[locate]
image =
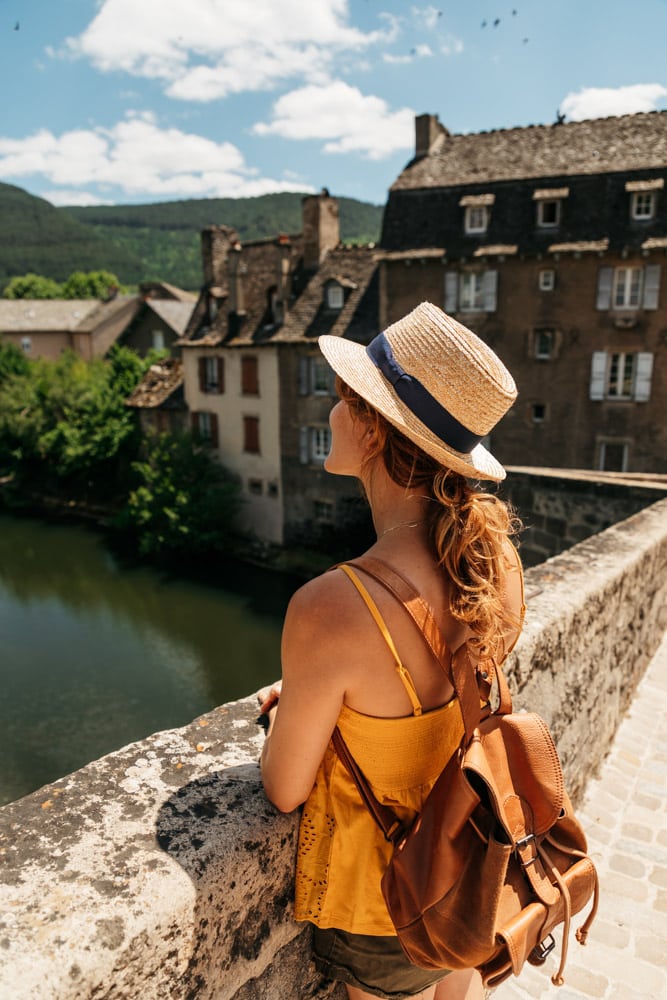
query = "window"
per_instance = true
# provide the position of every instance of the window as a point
(628, 287)
(256, 487)
(613, 456)
(158, 340)
(548, 213)
(211, 374)
(547, 280)
(205, 426)
(335, 296)
(26, 344)
(272, 489)
(476, 218)
(642, 205)
(324, 511)
(539, 413)
(315, 444)
(471, 291)
(249, 376)
(621, 375)
(544, 343)
(316, 377)
(251, 435)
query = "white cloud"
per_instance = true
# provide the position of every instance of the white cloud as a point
(429, 16)
(452, 46)
(138, 158)
(206, 49)
(65, 197)
(603, 102)
(349, 120)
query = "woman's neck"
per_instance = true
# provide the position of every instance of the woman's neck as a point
(397, 511)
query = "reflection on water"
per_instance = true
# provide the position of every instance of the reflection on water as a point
(94, 656)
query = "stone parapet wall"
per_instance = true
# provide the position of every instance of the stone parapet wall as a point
(161, 871)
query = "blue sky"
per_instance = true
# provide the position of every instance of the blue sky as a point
(128, 101)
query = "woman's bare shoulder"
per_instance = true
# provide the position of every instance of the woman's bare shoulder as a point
(326, 606)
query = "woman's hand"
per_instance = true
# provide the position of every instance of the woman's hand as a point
(268, 696)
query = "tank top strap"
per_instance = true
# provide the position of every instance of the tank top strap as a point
(379, 621)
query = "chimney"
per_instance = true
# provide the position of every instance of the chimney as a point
(321, 228)
(236, 270)
(215, 244)
(427, 130)
(283, 278)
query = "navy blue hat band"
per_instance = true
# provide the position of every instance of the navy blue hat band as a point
(419, 400)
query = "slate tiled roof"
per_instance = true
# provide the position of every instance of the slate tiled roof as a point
(602, 145)
(104, 312)
(161, 381)
(44, 315)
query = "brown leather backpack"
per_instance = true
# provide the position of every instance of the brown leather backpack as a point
(496, 860)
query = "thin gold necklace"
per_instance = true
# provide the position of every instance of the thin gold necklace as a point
(401, 524)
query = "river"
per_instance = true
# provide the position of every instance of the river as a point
(95, 655)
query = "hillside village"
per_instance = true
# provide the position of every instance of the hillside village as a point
(547, 241)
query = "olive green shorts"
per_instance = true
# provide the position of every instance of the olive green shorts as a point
(377, 965)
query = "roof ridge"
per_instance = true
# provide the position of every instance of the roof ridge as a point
(549, 125)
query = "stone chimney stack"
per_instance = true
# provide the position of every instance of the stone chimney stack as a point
(427, 130)
(215, 244)
(321, 228)
(236, 270)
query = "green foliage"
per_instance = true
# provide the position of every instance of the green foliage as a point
(32, 286)
(184, 501)
(12, 361)
(90, 285)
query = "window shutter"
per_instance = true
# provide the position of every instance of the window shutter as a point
(213, 417)
(651, 286)
(304, 371)
(194, 422)
(598, 374)
(490, 290)
(643, 373)
(605, 281)
(201, 367)
(303, 445)
(221, 374)
(451, 292)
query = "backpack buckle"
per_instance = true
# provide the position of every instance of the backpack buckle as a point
(519, 846)
(540, 952)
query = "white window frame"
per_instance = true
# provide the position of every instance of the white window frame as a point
(471, 291)
(642, 205)
(320, 444)
(603, 450)
(204, 425)
(541, 206)
(335, 296)
(26, 345)
(158, 339)
(539, 352)
(621, 373)
(547, 280)
(476, 219)
(211, 369)
(320, 377)
(627, 288)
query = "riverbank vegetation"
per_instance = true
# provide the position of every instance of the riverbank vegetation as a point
(67, 437)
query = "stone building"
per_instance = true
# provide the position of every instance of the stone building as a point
(549, 242)
(257, 387)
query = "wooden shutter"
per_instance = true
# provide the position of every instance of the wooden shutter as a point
(598, 374)
(490, 290)
(221, 374)
(304, 371)
(303, 445)
(194, 422)
(249, 377)
(605, 281)
(251, 435)
(643, 372)
(451, 291)
(651, 286)
(201, 368)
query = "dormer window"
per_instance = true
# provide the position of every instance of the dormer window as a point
(549, 206)
(644, 198)
(335, 297)
(477, 212)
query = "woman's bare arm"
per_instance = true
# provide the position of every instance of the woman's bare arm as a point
(316, 632)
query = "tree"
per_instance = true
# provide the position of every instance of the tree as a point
(184, 502)
(32, 286)
(12, 361)
(91, 285)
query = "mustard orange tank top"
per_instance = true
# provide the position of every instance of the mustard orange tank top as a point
(342, 853)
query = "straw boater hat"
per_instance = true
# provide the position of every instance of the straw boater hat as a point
(434, 380)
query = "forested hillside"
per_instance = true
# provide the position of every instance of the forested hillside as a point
(147, 242)
(165, 236)
(45, 240)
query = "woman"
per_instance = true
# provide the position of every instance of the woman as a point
(413, 409)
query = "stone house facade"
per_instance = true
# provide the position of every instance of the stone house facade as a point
(549, 242)
(255, 383)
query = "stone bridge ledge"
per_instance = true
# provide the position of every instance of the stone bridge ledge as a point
(161, 871)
